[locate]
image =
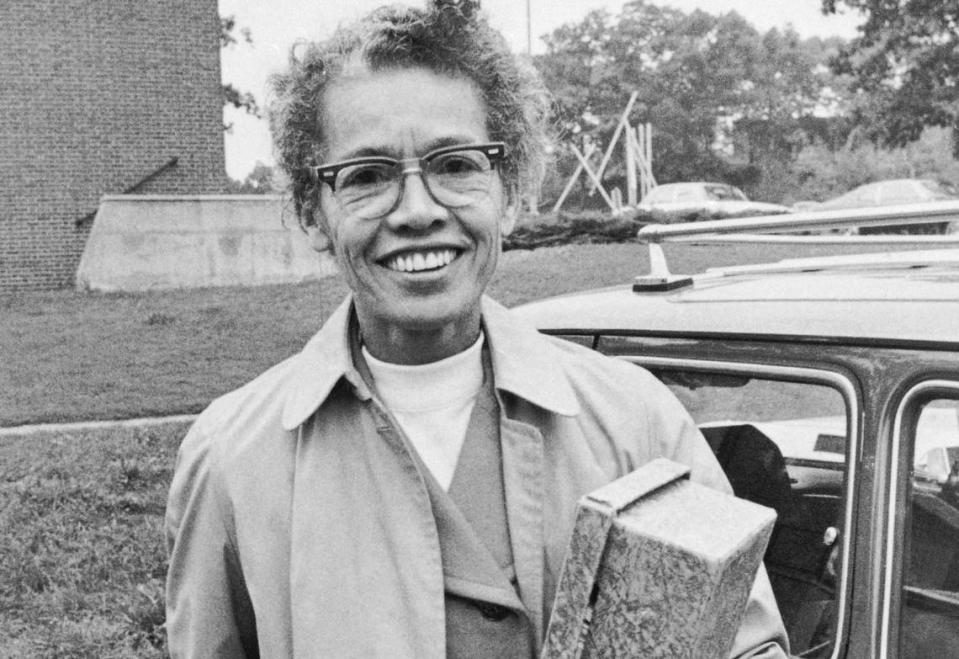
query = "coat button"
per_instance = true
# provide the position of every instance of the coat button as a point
(493, 612)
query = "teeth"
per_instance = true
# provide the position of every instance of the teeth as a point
(417, 261)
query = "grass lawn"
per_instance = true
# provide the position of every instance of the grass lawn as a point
(69, 356)
(82, 560)
(81, 554)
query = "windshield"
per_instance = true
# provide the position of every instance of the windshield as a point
(725, 193)
(941, 187)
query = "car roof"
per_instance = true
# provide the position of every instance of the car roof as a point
(681, 184)
(896, 181)
(910, 299)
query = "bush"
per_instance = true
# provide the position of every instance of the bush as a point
(573, 229)
(594, 227)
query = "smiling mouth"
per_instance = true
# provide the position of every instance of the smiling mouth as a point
(421, 261)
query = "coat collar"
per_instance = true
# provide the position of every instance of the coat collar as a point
(524, 364)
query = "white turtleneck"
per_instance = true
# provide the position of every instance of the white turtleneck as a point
(432, 403)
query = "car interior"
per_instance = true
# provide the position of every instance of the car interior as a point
(929, 623)
(798, 471)
(783, 445)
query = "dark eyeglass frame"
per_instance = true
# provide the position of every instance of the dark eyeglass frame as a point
(494, 152)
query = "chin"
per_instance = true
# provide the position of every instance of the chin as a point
(435, 315)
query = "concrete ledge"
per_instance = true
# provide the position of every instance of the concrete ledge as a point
(99, 429)
(142, 242)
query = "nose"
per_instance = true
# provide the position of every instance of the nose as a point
(416, 209)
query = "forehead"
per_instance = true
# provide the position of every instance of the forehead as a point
(401, 113)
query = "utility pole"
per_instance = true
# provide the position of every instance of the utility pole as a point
(529, 29)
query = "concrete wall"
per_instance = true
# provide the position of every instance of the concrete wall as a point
(97, 96)
(150, 242)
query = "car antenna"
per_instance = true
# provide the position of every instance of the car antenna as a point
(659, 277)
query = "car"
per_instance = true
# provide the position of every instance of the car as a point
(828, 388)
(938, 463)
(701, 201)
(890, 192)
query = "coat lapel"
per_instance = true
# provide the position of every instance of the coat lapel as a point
(523, 483)
(363, 541)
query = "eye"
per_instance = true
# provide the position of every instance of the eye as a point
(460, 163)
(363, 177)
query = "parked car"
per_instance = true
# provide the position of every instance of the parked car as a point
(822, 385)
(938, 463)
(698, 201)
(890, 193)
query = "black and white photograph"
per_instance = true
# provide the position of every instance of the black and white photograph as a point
(479, 329)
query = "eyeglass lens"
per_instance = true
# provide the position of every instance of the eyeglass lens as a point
(454, 179)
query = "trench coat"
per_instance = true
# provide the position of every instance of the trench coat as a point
(299, 525)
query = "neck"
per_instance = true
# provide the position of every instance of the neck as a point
(400, 345)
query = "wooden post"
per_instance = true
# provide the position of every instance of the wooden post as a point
(532, 203)
(630, 166)
(590, 148)
(592, 175)
(648, 143)
(617, 198)
(624, 121)
(640, 146)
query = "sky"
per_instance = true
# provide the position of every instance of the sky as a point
(276, 25)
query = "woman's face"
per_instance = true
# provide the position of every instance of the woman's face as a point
(422, 267)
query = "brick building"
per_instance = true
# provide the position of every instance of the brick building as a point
(99, 97)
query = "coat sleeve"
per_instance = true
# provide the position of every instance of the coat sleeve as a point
(208, 610)
(761, 634)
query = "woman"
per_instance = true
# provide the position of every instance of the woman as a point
(406, 485)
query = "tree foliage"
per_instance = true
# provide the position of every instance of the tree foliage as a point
(242, 100)
(698, 76)
(905, 63)
(822, 173)
(260, 180)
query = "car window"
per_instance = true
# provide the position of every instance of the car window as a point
(929, 616)
(940, 187)
(783, 444)
(725, 193)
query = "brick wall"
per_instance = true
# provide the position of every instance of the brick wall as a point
(95, 95)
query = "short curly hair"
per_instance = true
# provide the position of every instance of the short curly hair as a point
(449, 37)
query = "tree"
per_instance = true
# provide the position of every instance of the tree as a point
(823, 173)
(260, 180)
(787, 89)
(693, 73)
(905, 66)
(231, 95)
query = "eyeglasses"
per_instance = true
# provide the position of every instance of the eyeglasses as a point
(455, 176)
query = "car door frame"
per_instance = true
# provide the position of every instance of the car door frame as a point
(907, 407)
(880, 371)
(836, 378)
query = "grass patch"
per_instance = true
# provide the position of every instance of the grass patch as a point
(70, 356)
(82, 561)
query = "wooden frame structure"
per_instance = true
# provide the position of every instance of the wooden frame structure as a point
(638, 151)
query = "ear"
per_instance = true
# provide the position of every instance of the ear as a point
(507, 220)
(318, 234)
